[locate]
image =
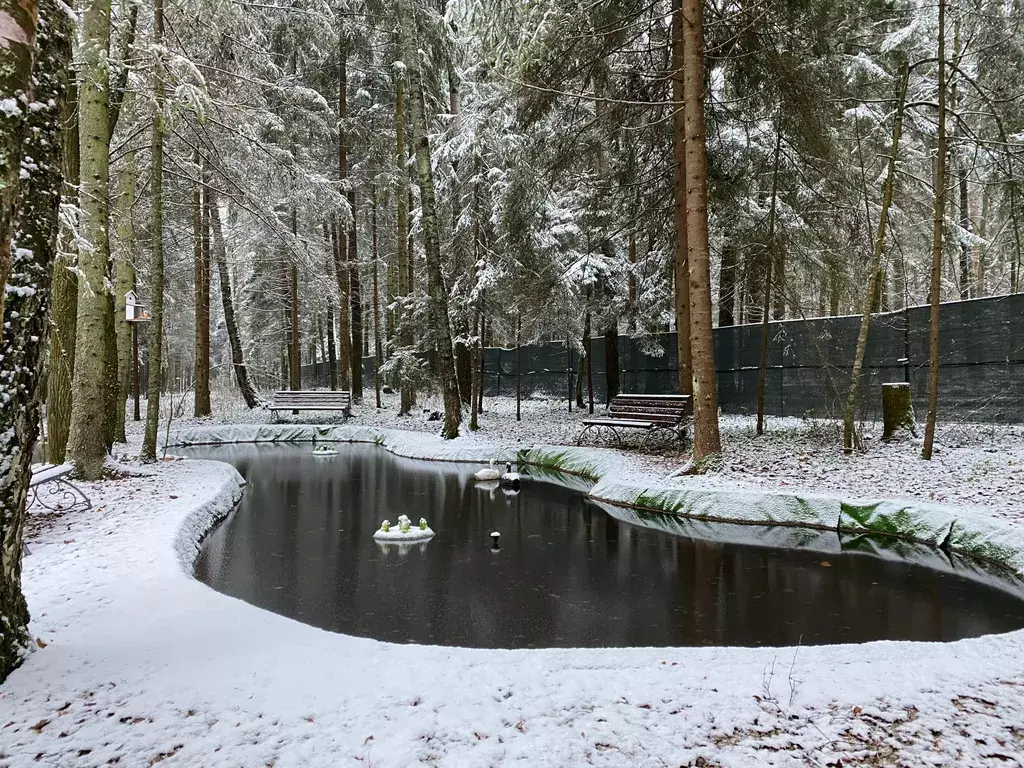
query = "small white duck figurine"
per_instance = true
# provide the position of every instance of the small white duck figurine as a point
(510, 479)
(489, 473)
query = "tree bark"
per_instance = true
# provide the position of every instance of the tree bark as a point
(937, 223)
(706, 439)
(378, 349)
(201, 288)
(25, 317)
(17, 52)
(124, 282)
(344, 333)
(850, 437)
(86, 443)
(245, 385)
(332, 350)
(769, 263)
(612, 384)
(156, 269)
(684, 355)
(437, 299)
(356, 299)
(407, 396)
(64, 296)
(897, 410)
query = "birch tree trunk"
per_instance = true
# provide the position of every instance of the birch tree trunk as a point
(850, 437)
(684, 363)
(706, 439)
(937, 226)
(245, 386)
(18, 22)
(25, 319)
(437, 299)
(332, 350)
(89, 398)
(156, 269)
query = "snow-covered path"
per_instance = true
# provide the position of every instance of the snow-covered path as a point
(144, 665)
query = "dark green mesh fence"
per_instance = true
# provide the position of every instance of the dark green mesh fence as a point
(809, 363)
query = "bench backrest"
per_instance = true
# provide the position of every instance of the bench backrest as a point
(660, 409)
(290, 397)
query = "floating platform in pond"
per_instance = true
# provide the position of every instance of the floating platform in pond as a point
(404, 532)
(323, 450)
(397, 536)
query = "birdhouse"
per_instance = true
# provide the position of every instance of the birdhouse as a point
(134, 312)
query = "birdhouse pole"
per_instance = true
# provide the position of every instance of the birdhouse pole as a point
(135, 313)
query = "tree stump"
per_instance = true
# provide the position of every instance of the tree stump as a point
(897, 410)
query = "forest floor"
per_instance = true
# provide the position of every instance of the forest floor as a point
(139, 664)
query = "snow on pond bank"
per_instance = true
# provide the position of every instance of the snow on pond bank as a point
(144, 665)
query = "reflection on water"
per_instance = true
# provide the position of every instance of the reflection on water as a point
(567, 573)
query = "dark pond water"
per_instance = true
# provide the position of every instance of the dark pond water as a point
(567, 574)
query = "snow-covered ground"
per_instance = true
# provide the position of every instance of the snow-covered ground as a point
(144, 665)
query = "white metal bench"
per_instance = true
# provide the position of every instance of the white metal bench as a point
(55, 480)
(664, 417)
(300, 400)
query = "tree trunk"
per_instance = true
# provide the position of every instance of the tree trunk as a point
(611, 363)
(588, 345)
(937, 222)
(897, 410)
(402, 319)
(378, 350)
(25, 318)
(849, 433)
(706, 440)
(295, 344)
(245, 386)
(684, 365)
(965, 224)
(519, 366)
(124, 281)
(156, 269)
(332, 350)
(64, 297)
(436, 296)
(355, 297)
(341, 273)
(201, 287)
(17, 50)
(769, 263)
(86, 443)
(111, 379)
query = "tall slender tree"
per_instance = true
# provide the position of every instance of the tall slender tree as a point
(437, 297)
(706, 439)
(89, 396)
(156, 267)
(681, 271)
(937, 241)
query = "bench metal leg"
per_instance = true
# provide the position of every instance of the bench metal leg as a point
(65, 490)
(604, 433)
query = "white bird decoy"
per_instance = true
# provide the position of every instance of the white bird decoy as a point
(489, 473)
(510, 479)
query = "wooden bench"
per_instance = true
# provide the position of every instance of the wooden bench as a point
(660, 416)
(299, 400)
(56, 476)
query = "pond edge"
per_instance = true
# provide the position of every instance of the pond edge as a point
(961, 530)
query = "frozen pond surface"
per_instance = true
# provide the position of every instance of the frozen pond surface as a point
(567, 574)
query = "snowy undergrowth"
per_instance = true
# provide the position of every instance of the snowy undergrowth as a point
(143, 665)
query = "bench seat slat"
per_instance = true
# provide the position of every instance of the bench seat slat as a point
(619, 423)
